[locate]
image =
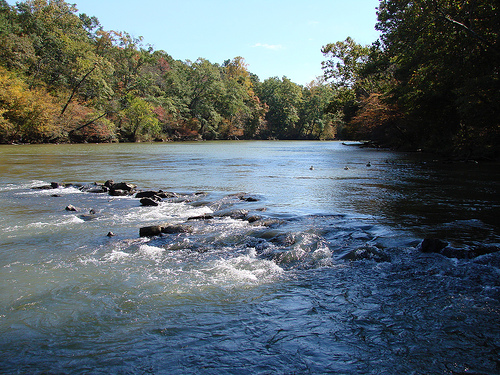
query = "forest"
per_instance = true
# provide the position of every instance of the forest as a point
(430, 82)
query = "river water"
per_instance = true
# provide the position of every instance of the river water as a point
(329, 278)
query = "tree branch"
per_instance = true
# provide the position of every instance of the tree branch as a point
(75, 89)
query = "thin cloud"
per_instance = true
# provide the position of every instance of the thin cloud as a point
(274, 47)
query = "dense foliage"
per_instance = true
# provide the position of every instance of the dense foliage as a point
(430, 82)
(64, 78)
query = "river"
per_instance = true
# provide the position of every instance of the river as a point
(327, 277)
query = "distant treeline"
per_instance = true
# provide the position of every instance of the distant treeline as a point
(430, 82)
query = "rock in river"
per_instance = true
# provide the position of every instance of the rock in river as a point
(155, 230)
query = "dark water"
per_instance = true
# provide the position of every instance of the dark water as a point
(329, 280)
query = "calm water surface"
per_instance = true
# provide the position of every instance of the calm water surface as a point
(329, 280)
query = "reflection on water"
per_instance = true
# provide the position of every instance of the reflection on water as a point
(328, 278)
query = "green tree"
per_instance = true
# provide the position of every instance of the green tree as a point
(315, 121)
(284, 99)
(344, 62)
(444, 55)
(139, 121)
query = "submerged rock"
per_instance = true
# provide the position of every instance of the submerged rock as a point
(232, 213)
(437, 246)
(431, 245)
(43, 187)
(367, 253)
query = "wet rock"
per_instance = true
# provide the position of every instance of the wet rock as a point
(150, 231)
(485, 249)
(150, 201)
(109, 183)
(156, 230)
(94, 188)
(243, 197)
(123, 186)
(267, 223)
(492, 259)
(87, 217)
(98, 189)
(56, 195)
(201, 217)
(118, 192)
(233, 213)
(110, 234)
(367, 253)
(121, 189)
(42, 187)
(440, 247)
(172, 229)
(167, 194)
(253, 218)
(146, 194)
(55, 185)
(70, 207)
(432, 245)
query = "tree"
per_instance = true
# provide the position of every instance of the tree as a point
(284, 99)
(315, 121)
(345, 60)
(445, 55)
(26, 115)
(139, 121)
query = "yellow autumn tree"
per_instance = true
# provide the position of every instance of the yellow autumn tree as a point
(26, 115)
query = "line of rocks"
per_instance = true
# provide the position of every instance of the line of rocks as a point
(153, 198)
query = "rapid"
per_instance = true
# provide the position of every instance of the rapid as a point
(300, 258)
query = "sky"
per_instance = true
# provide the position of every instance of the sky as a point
(275, 37)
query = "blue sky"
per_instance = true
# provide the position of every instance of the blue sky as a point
(275, 37)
